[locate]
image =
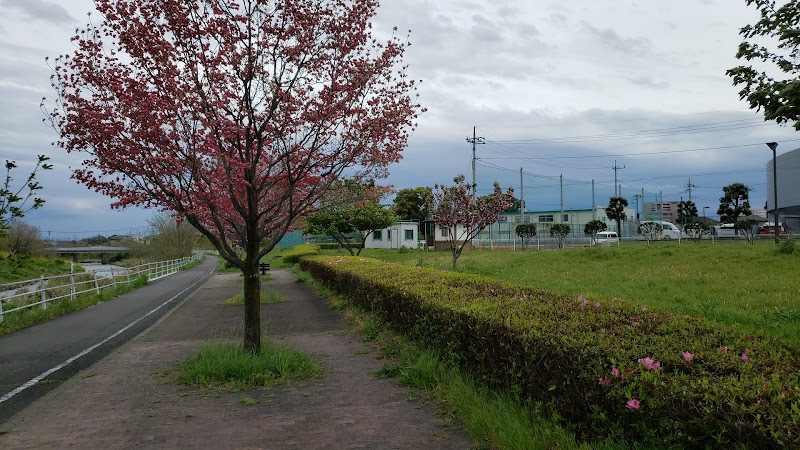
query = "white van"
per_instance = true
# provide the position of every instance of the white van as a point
(726, 230)
(668, 230)
(606, 238)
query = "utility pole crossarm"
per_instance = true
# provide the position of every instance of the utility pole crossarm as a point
(474, 140)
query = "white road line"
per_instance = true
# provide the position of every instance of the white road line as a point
(85, 352)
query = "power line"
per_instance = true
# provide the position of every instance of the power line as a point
(683, 130)
(661, 152)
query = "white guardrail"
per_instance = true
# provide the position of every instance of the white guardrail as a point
(39, 292)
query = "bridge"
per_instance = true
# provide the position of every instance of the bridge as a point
(102, 250)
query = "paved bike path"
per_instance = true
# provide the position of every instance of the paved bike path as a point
(85, 336)
(129, 399)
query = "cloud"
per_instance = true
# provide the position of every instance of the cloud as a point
(40, 9)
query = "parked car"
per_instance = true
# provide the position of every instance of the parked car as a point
(726, 230)
(668, 230)
(768, 229)
(606, 238)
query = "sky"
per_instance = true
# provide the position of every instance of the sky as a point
(557, 90)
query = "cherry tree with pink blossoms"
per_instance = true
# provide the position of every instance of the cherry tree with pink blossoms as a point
(457, 210)
(236, 116)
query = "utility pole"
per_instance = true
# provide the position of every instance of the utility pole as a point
(561, 181)
(594, 205)
(521, 197)
(689, 188)
(616, 168)
(661, 204)
(474, 141)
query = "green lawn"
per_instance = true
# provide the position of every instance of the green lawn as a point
(729, 282)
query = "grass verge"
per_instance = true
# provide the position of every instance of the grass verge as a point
(230, 367)
(266, 297)
(24, 318)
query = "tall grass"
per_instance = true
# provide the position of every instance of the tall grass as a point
(230, 367)
(21, 267)
(730, 283)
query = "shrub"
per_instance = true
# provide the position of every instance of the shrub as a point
(611, 369)
(298, 251)
(787, 247)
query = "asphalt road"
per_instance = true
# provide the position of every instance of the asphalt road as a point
(36, 359)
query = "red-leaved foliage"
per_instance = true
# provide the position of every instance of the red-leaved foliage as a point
(235, 115)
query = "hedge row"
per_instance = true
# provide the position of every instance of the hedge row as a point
(336, 245)
(298, 251)
(611, 369)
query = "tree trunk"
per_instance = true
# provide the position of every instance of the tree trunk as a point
(252, 309)
(455, 258)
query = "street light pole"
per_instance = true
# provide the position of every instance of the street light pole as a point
(773, 146)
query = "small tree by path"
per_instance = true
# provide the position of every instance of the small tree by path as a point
(237, 117)
(746, 228)
(696, 230)
(525, 231)
(593, 227)
(651, 231)
(616, 211)
(560, 231)
(457, 210)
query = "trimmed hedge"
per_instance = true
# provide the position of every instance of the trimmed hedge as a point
(335, 246)
(611, 369)
(298, 251)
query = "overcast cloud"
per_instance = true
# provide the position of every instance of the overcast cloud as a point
(555, 88)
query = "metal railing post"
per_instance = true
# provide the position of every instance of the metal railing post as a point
(43, 291)
(96, 284)
(72, 286)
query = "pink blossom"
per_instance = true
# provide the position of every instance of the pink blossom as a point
(634, 324)
(633, 404)
(744, 356)
(605, 381)
(650, 364)
(614, 372)
(723, 349)
(644, 308)
(687, 356)
(597, 305)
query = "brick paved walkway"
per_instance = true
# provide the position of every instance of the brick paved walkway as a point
(128, 399)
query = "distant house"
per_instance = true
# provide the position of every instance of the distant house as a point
(437, 236)
(401, 234)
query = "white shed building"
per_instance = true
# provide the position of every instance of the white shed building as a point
(401, 234)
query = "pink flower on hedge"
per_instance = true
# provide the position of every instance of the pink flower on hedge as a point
(597, 305)
(723, 349)
(614, 372)
(744, 356)
(644, 308)
(605, 381)
(634, 324)
(632, 404)
(650, 364)
(687, 356)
